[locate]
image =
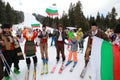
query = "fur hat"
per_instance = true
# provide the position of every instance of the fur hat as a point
(93, 24)
(117, 29)
(44, 26)
(6, 25)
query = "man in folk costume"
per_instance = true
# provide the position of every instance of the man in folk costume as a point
(93, 32)
(60, 37)
(44, 48)
(117, 32)
(30, 48)
(9, 54)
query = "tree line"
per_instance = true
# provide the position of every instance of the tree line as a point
(9, 15)
(76, 18)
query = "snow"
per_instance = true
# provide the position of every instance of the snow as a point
(66, 74)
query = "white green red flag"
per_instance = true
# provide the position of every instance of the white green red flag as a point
(35, 25)
(105, 60)
(52, 10)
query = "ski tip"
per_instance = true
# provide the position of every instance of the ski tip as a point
(42, 73)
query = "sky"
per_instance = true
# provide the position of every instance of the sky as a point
(89, 7)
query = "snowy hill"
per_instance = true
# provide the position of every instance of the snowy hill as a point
(66, 75)
(28, 20)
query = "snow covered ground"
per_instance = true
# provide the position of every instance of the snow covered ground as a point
(66, 75)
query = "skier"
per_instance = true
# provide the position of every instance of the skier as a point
(53, 37)
(79, 34)
(44, 48)
(72, 52)
(30, 48)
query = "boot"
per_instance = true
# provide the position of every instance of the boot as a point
(7, 78)
(46, 72)
(16, 71)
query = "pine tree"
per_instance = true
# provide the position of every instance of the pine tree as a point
(10, 14)
(2, 12)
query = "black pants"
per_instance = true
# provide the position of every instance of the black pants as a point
(28, 61)
(1, 69)
(60, 49)
(11, 57)
(81, 44)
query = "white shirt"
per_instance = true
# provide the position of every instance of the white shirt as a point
(94, 32)
(60, 36)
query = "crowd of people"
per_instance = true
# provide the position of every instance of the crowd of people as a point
(11, 50)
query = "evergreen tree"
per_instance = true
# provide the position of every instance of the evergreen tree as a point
(2, 12)
(71, 15)
(112, 18)
(10, 14)
(64, 20)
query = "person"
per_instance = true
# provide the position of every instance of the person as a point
(59, 43)
(73, 52)
(9, 54)
(30, 48)
(79, 34)
(113, 35)
(117, 31)
(53, 37)
(93, 32)
(44, 48)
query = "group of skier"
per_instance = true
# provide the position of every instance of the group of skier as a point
(10, 47)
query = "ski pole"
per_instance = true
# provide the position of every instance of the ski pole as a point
(4, 64)
(3, 58)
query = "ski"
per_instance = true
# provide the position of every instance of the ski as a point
(27, 75)
(34, 74)
(71, 70)
(43, 66)
(54, 68)
(68, 62)
(44, 70)
(61, 68)
(83, 73)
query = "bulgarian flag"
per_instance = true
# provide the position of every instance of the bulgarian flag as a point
(35, 25)
(105, 60)
(52, 10)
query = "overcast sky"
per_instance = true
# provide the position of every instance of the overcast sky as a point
(90, 7)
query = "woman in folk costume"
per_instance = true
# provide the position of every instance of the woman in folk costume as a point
(44, 48)
(30, 48)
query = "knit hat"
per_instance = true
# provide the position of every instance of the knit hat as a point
(80, 29)
(117, 29)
